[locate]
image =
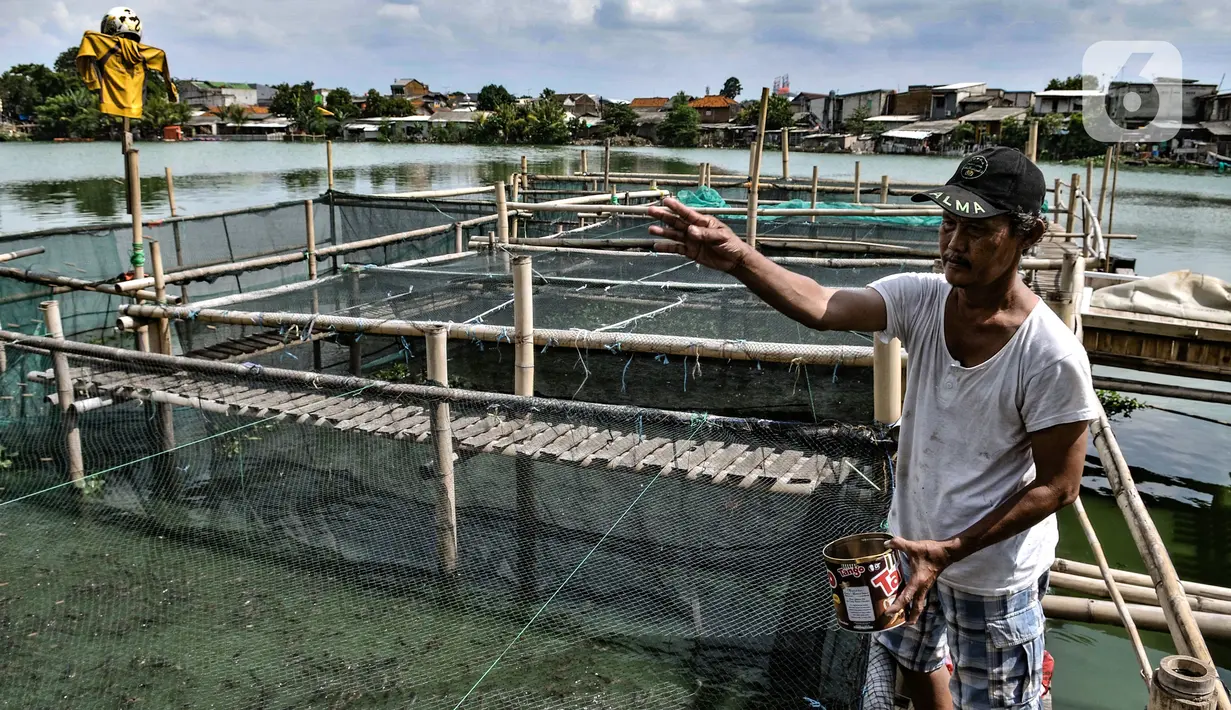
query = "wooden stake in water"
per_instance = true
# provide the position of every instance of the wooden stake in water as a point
(442, 437)
(175, 231)
(815, 187)
(585, 169)
(754, 177)
(523, 385)
(64, 395)
(1074, 188)
(858, 185)
(1102, 193)
(1055, 207)
(329, 163)
(607, 165)
(786, 153)
(502, 213)
(1115, 176)
(310, 229)
(884, 189)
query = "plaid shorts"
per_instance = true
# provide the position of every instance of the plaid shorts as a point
(994, 642)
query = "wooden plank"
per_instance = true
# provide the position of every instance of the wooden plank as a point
(666, 454)
(745, 464)
(721, 459)
(394, 415)
(635, 458)
(415, 427)
(1124, 322)
(620, 445)
(694, 458)
(507, 445)
(582, 450)
(503, 427)
(774, 471)
(532, 446)
(564, 443)
(332, 416)
(483, 424)
(373, 412)
(271, 402)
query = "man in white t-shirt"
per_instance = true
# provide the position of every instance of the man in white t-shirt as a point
(993, 431)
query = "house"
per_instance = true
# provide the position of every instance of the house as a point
(204, 94)
(1017, 99)
(1216, 120)
(579, 105)
(408, 88)
(915, 101)
(947, 99)
(919, 137)
(1151, 95)
(1063, 101)
(875, 102)
(650, 105)
(989, 121)
(889, 122)
(715, 109)
(822, 106)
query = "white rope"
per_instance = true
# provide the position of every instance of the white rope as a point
(634, 319)
(479, 318)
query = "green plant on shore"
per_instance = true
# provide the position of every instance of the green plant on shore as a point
(1116, 404)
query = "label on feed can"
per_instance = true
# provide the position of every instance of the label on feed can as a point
(864, 590)
(859, 605)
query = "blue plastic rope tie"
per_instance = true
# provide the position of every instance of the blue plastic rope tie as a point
(624, 376)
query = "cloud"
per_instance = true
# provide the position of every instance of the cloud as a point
(634, 47)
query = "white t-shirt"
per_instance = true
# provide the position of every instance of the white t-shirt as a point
(964, 445)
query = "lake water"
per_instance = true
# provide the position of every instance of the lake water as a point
(1180, 219)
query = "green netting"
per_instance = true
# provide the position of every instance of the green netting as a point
(708, 197)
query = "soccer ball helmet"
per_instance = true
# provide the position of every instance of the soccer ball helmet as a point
(121, 22)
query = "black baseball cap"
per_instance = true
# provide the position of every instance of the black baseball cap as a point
(991, 182)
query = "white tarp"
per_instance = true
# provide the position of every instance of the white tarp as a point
(910, 135)
(1179, 294)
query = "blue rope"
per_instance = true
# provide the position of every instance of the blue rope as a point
(624, 376)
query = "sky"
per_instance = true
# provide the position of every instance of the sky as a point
(622, 49)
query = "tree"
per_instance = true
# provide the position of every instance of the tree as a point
(547, 122)
(1014, 133)
(964, 134)
(494, 96)
(342, 104)
(621, 119)
(235, 114)
(292, 101)
(547, 94)
(160, 111)
(779, 115)
(731, 88)
(682, 127)
(73, 114)
(66, 61)
(857, 124)
(1073, 83)
(25, 87)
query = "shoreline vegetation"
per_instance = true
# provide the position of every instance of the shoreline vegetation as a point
(40, 103)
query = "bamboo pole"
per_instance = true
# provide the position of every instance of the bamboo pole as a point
(884, 189)
(1136, 579)
(786, 153)
(585, 169)
(1056, 202)
(502, 213)
(1131, 593)
(607, 165)
(1184, 683)
(607, 208)
(1181, 621)
(442, 437)
(459, 239)
(1074, 185)
(1111, 589)
(21, 253)
(1064, 302)
(177, 233)
(700, 175)
(329, 163)
(815, 178)
(1173, 391)
(525, 173)
(1032, 144)
(36, 277)
(747, 351)
(64, 395)
(1102, 193)
(1115, 176)
(858, 185)
(887, 379)
(433, 194)
(1089, 183)
(310, 229)
(523, 325)
(1150, 618)
(754, 175)
(160, 296)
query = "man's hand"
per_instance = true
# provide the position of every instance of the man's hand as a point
(928, 558)
(702, 238)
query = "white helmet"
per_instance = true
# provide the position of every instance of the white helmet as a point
(122, 22)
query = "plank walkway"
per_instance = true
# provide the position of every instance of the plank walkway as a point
(720, 462)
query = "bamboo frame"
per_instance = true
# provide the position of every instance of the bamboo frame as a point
(329, 163)
(607, 165)
(21, 253)
(1055, 208)
(442, 437)
(884, 189)
(748, 351)
(1183, 683)
(71, 283)
(64, 395)
(1074, 185)
(585, 169)
(523, 326)
(502, 213)
(786, 153)
(858, 185)
(1102, 194)
(1181, 622)
(1160, 390)
(815, 187)
(1132, 594)
(1090, 611)
(160, 296)
(754, 173)
(1115, 177)
(643, 210)
(887, 379)
(1136, 579)
(1032, 142)
(310, 230)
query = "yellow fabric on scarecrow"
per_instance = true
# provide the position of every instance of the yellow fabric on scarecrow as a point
(115, 67)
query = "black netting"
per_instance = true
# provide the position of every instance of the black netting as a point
(292, 548)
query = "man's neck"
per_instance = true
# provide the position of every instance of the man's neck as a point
(989, 299)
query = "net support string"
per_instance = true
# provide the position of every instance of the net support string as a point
(479, 318)
(117, 467)
(644, 489)
(634, 319)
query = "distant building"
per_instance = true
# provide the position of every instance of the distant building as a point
(203, 94)
(989, 121)
(915, 101)
(1144, 108)
(1064, 101)
(823, 106)
(715, 109)
(875, 102)
(579, 105)
(1216, 120)
(947, 99)
(1017, 99)
(650, 105)
(408, 88)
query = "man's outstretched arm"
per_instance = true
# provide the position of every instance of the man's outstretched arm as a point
(711, 243)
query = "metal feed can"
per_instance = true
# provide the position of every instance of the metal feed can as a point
(866, 578)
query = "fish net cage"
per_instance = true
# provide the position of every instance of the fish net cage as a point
(250, 537)
(619, 328)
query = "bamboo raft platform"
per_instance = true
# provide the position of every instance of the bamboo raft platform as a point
(255, 345)
(717, 462)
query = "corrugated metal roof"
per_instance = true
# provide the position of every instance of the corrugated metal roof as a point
(909, 135)
(891, 119)
(1068, 93)
(1218, 128)
(994, 114)
(958, 87)
(654, 102)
